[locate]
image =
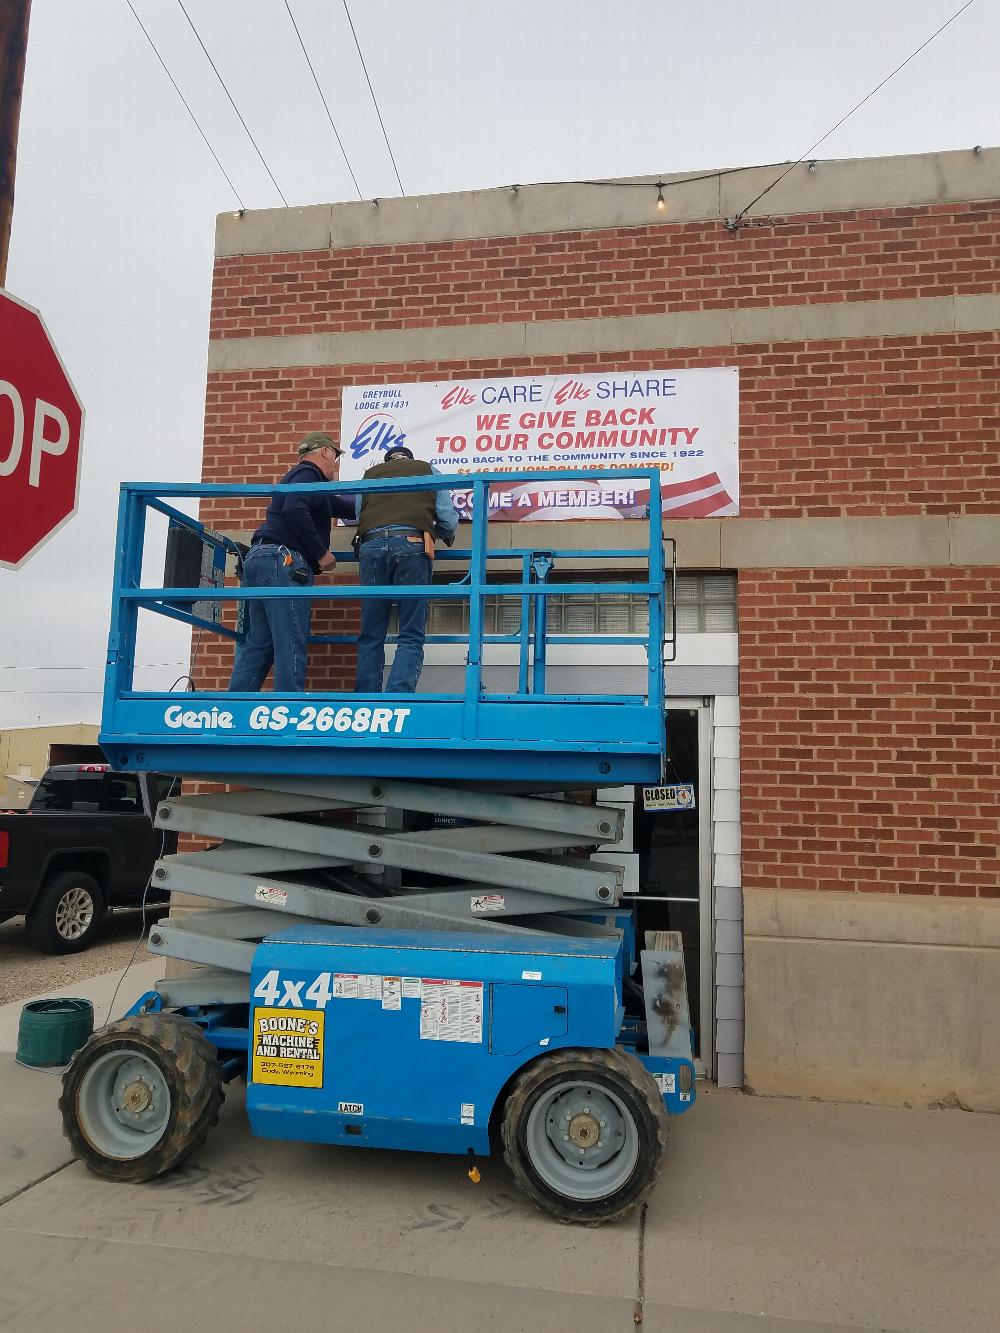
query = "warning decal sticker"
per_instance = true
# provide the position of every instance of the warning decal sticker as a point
(451, 1010)
(288, 1047)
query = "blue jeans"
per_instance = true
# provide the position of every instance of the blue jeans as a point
(275, 632)
(384, 561)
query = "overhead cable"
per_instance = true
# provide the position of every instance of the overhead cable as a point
(186, 107)
(326, 107)
(733, 223)
(374, 98)
(231, 102)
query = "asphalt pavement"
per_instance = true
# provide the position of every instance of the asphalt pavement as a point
(773, 1216)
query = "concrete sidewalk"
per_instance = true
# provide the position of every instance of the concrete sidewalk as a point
(772, 1215)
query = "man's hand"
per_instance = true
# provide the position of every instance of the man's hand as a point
(327, 562)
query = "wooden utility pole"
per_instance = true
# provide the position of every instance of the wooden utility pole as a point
(13, 44)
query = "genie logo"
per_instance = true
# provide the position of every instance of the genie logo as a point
(457, 397)
(375, 435)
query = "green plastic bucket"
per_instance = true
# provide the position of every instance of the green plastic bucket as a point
(52, 1031)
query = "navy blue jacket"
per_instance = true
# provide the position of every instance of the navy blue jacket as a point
(302, 522)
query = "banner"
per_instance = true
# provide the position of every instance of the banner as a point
(683, 422)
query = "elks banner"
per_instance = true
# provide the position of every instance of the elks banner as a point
(683, 422)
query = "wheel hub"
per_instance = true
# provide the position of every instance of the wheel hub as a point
(584, 1130)
(74, 913)
(137, 1097)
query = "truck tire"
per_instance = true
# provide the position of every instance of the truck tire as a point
(66, 916)
(141, 1096)
(584, 1133)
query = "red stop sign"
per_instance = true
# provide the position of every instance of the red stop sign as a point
(41, 424)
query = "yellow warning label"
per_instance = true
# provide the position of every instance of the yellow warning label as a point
(288, 1047)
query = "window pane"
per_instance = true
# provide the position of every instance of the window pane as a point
(720, 587)
(54, 794)
(720, 619)
(120, 794)
(687, 619)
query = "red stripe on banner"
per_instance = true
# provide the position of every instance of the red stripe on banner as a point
(708, 504)
(707, 483)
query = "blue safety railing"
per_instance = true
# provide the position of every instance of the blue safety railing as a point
(528, 733)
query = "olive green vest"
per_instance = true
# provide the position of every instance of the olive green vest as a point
(405, 509)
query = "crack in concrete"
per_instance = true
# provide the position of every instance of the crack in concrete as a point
(39, 1180)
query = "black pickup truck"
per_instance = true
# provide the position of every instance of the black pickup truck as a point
(85, 844)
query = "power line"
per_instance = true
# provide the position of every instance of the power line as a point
(326, 107)
(186, 107)
(231, 102)
(374, 98)
(734, 222)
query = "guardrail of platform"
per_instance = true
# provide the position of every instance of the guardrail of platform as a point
(533, 589)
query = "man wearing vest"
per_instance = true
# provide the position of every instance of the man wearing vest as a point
(393, 527)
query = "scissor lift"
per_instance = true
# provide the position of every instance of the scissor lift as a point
(491, 960)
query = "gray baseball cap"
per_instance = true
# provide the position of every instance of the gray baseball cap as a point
(317, 439)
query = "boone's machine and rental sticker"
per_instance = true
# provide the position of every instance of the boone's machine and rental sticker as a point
(683, 422)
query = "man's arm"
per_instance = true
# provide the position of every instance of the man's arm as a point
(445, 515)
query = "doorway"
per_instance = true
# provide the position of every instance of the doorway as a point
(675, 869)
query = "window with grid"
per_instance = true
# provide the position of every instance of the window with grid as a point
(706, 604)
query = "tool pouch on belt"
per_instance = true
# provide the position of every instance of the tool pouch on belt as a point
(429, 545)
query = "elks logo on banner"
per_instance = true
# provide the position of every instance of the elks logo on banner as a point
(685, 423)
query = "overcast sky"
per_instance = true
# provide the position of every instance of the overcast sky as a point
(117, 194)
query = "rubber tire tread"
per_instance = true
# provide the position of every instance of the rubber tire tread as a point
(619, 1067)
(40, 921)
(190, 1065)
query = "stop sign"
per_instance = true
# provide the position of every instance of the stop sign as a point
(41, 424)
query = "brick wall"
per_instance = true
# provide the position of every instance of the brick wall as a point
(870, 708)
(868, 698)
(881, 426)
(866, 255)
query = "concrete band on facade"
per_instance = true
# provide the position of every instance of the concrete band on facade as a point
(823, 321)
(766, 543)
(872, 997)
(860, 183)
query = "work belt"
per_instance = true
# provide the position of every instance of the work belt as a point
(391, 532)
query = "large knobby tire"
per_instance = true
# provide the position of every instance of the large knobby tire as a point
(67, 914)
(584, 1133)
(141, 1096)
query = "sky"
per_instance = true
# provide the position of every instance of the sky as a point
(117, 194)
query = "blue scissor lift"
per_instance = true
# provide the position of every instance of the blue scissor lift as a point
(461, 989)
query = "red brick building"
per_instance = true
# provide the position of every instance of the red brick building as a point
(838, 665)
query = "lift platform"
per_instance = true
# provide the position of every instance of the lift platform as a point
(529, 734)
(378, 980)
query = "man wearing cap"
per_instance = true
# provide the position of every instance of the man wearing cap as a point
(396, 532)
(288, 550)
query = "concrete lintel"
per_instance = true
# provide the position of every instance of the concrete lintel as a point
(875, 918)
(835, 186)
(568, 337)
(824, 543)
(976, 314)
(866, 182)
(266, 231)
(630, 333)
(844, 319)
(974, 539)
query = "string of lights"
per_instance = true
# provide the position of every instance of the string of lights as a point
(186, 107)
(734, 223)
(326, 107)
(374, 101)
(231, 102)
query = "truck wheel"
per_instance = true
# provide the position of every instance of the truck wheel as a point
(141, 1096)
(67, 914)
(584, 1132)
